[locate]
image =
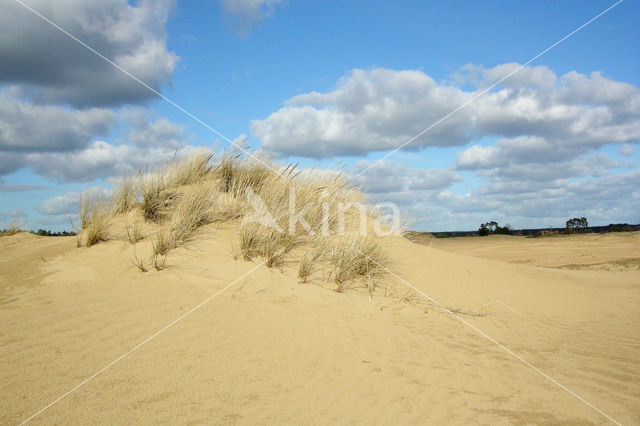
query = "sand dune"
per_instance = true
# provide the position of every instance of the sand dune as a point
(609, 252)
(271, 350)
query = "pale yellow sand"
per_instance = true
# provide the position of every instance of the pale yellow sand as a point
(270, 350)
(612, 251)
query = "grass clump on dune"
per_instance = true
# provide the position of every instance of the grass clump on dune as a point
(134, 233)
(235, 174)
(269, 244)
(155, 195)
(159, 187)
(308, 264)
(124, 195)
(192, 209)
(95, 218)
(354, 256)
(13, 229)
(190, 170)
(276, 209)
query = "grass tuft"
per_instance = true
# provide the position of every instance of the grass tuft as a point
(124, 195)
(257, 241)
(354, 256)
(191, 170)
(192, 210)
(155, 195)
(329, 215)
(95, 218)
(13, 229)
(134, 233)
(307, 265)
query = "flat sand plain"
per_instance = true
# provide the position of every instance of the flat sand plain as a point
(272, 350)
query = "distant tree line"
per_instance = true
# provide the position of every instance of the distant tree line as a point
(40, 232)
(621, 227)
(577, 224)
(47, 233)
(493, 228)
(530, 232)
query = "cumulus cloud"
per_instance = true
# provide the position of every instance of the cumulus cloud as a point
(159, 133)
(626, 150)
(532, 156)
(610, 198)
(534, 141)
(246, 13)
(63, 209)
(102, 160)
(8, 187)
(58, 98)
(64, 150)
(9, 216)
(26, 127)
(37, 55)
(381, 109)
(390, 176)
(607, 199)
(369, 111)
(62, 204)
(540, 77)
(11, 162)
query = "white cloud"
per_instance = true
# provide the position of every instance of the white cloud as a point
(537, 138)
(603, 200)
(25, 126)
(102, 160)
(381, 109)
(246, 13)
(58, 97)
(395, 177)
(11, 162)
(10, 187)
(159, 133)
(60, 70)
(63, 209)
(9, 216)
(532, 153)
(540, 76)
(369, 111)
(56, 142)
(626, 150)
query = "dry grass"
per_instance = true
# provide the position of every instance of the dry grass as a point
(95, 218)
(235, 174)
(354, 256)
(257, 241)
(192, 209)
(190, 170)
(13, 229)
(124, 195)
(134, 233)
(180, 198)
(307, 264)
(159, 187)
(225, 171)
(155, 195)
(138, 262)
(227, 208)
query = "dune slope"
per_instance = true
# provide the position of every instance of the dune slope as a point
(271, 350)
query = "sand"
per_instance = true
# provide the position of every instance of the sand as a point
(272, 350)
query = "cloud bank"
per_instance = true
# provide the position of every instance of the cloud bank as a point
(40, 57)
(380, 109)
(59, 102)
(534, 142)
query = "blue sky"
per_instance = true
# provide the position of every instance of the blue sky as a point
(328, 83)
